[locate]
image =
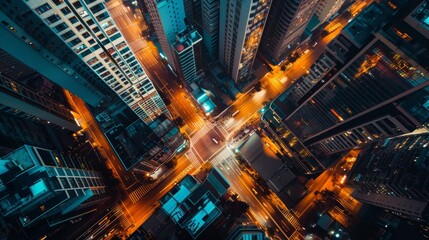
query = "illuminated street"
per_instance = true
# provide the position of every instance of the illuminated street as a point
(214, 119)
(203, 147)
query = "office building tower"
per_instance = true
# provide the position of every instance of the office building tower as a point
(37, 184)
(188, 56)
(241, 25)
(28, 40)
(87, 29)
(326, 9)
(193, 204)
(168, 18)
(344, 101)
(210, 27)
(193, 16)
(285, 25)
(393, 174)
(19, 99)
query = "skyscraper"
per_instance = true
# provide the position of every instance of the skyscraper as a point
(40, 49)
(168, 18)
(344, 101)
(286, 23)
(241, 25)
(188, 55)
(327, 8)
(37, 184)
(393, 174)
(210, 27)
(23, 101)
(98, 48)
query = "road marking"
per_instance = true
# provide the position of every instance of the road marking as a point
(137, 194)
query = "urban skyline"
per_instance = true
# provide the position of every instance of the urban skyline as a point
(214, 119)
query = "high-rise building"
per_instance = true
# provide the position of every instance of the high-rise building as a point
(210, 27)
(23, 101)
(327, 8)
(241, 25)
(168, 18)
(37, 46)
(36, 183)
(145, 148)
(193, 16)
(285, 25)
(194, 204)
(88, 41)
(344, 101)
(188, 56)
(393, 174)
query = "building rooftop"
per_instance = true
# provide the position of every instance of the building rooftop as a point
(186, 38)
(192, 204)
(361, 29)
(132, 144)
(261, 157)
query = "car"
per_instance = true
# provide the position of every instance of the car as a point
(254, 191)
(215, 141)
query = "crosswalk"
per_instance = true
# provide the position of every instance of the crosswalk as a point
(199, 134)
(137, 194)
(191, 156)
(222, 129)
(221, 156)
(124, 221)
(291, 218)
(184, 173)
(296, 236)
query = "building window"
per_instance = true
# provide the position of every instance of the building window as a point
(90, 22)
(74, 42)
(96, 29)
(102, 16)
(80, 48)
(77, 5)
(53, 18)
(67, 35)
(73, 20)
(86, 53)
(61, 27)
(97, 8)
(57, 2)
(45, 7)
(79, 27)
(66, 10)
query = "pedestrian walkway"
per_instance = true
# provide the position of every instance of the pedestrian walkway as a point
(198, 135)
(222, 156)
(140, 192)
(222, 129)
(193, 158)
(296, 236)
(137, 194)
(290, 218)
(124, 222)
